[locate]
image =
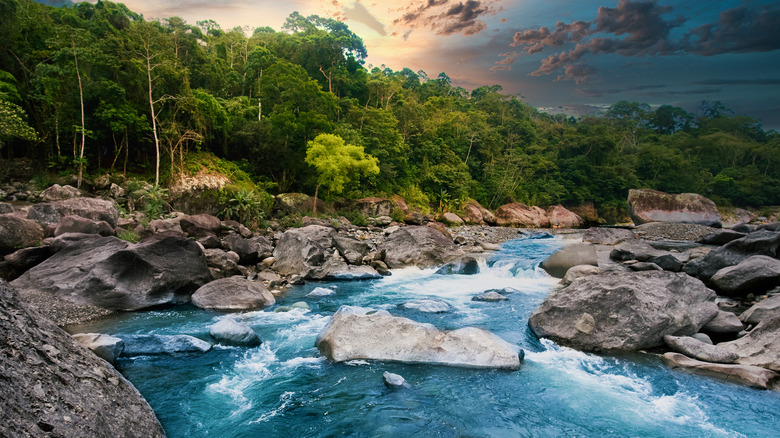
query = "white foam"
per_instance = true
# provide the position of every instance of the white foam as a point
(285, 401)
(309, 362)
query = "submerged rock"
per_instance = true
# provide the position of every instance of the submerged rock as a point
(490, 296)
(229, 331)
(321, 292)
(138, 345)
(394, 381)
(464, 266)
(624, 310)
(427, 306)
(359, 333)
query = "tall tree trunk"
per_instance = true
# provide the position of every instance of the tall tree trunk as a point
(154, 124)
(316, 192)
(83, 130)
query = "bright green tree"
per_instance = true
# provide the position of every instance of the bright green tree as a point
(337, 162)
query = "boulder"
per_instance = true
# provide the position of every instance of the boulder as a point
(761, 346)
(452, 219)
(210, 241)
(568, 256)
(761, 242)
(59, 193)
(745, 228)
(490, 296)
(697, 349)
(250, 251)
(463, 266)
(624, 310)
(394, 381)
(723, 324)
(50, 213)
(588, 213)
(16, 233)
(5, 208)
(300, 249)
(668, 262)
(762, 310)
(578, 271)
(229, 331)
(110, 273)
(374, 207)
(26, 258)
(643, 266)
(165, 226)
(720, 237)
(419, 246)
(521, 215)
(472, 214)
(142, 345)
(52, 386)
(755, 377)
(753, 275)
(645, 205)
(233, 293)
(106, 347)
(297, 203)
(353, 250)
(222, 263)
(200, 225)
(635, 250)
(77, 224)
(560, 217)
(321, 292)
(335, 269)
(427, 305)
(607, 236)
(358, 333)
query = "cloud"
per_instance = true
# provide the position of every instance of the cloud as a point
(739, 30)
(644, 28)
(360, 14)
(446, 17)
(738, 82)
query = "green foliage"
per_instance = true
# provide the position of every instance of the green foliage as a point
(250, 207)
(356, 218)
(337, 163)
(155, 201)
(129, 235)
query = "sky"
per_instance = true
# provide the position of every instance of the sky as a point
(574, 56)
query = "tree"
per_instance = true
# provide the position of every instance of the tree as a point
(337, 162)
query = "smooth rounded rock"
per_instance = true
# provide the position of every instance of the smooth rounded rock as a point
(229, 331)
(569, 256)
(233, 293)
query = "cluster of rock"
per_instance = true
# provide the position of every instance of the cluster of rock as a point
(621, 293)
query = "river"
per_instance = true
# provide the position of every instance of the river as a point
(285, 388)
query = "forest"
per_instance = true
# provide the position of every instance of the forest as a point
(94, 88)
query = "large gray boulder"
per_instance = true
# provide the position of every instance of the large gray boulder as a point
(57, 193)
(143, 345)
(645, 205)
(760, 347)
(50, 213)
(231, 332)
(16, 233)
(761, 242)
(624, 310)
(110, 273)
(359, 333)
(569, 256)
(336, 269)
(353, 250)
(753, 275)
(724, 324)
(419, 246)
(300, 249)
(747, 375)
(464, 266)
(200, 225)
(250, 251)
(762, 310)
(233, 293)
(52, 386)
(78, 224)
(635, 250)
(697, 349)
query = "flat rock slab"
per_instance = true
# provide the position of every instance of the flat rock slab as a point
(645, 205)
(233, 293)
(753, 376)
(760, 347)
(763, 309)
(359, 333)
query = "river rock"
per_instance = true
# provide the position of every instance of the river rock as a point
(645, 205)
(200, 225)
(58, 193)
(353, 250)
(568, 256)
(607, 236)
(171, 225)
(77, 224)
(233, 293)
(106, 347)
(724, 323)
(419, 246)
(113, 274)
(427, 305)
(761, 346)
(452, 219)
(321, 292)
(578, 271)
(50, 213)
(560, 217)
(762, 310)
(472, 215)
(221, 263)
(250, 251)
(229, 331)
(17, 233)
(740, 374)
(374, 207)
(394, 381)
(521, 215)
(490, 296)
(753, 275)
(335, 269)
(761, 242)
(721, 237)
(635, 250)
(51, 386)
(359, 333)
(26, 258)
(142, 345)
(669, 262)
(464, 266)
(624, 310)
(697, 349)
(643, 266)
(300, 249)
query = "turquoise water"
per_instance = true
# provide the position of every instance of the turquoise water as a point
(285, 388)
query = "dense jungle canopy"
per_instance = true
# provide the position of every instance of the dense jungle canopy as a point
(96, 87)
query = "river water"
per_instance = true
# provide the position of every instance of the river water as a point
(285, 388)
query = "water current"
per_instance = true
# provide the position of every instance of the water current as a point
(285, 388)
